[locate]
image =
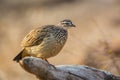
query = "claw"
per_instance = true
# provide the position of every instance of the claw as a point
(49, 63)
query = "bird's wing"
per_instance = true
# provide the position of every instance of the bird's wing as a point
(35, 37)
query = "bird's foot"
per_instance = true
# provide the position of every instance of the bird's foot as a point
(50, 64)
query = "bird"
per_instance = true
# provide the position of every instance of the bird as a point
(45, 41)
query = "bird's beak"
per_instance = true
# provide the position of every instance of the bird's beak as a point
(73, 25)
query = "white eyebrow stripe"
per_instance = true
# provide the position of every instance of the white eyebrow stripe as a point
(66, 22)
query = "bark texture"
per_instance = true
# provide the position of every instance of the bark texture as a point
(46, 71)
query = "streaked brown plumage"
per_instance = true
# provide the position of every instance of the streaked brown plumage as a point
(45, 42)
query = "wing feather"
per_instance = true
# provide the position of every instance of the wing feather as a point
(35, 37)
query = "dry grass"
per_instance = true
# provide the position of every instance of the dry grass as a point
(105, 55)
(95, 20)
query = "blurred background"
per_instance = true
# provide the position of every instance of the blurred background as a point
(94, 42)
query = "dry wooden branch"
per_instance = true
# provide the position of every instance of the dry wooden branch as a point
(45, 71)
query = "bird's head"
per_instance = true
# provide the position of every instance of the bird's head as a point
(66, 23)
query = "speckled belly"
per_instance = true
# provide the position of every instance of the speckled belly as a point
(48, 48)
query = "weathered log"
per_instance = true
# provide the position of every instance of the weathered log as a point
(45, 71)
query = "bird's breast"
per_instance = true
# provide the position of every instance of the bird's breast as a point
(53, 44)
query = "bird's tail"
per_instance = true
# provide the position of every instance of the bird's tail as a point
(18, 57)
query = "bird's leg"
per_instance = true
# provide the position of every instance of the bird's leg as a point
(50, 64)
(46, 61)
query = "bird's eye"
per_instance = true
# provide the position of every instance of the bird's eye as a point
(67, 23)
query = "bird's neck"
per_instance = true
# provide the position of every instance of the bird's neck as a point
(62, 26)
